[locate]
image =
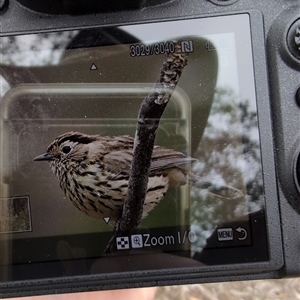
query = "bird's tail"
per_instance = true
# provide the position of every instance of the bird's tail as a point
(215, 188)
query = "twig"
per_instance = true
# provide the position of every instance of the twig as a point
(150, 112)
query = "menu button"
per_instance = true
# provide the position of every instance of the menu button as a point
(225, 234)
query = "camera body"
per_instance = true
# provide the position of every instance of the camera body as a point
(259, 40)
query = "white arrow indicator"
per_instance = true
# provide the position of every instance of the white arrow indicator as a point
(243, 232)
(106, 219)
(93, 67)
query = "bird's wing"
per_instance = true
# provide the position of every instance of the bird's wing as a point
(118, 155)
(118, 162)
(164, 159)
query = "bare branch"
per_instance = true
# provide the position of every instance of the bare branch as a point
(150, 112)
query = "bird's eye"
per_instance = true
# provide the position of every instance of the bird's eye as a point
(66, 149)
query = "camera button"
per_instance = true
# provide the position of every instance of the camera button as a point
(298, 97)
(297, 172)
(293, 39)
(3, 4)
(223, 2)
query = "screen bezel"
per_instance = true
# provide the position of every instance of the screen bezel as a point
(202, 273)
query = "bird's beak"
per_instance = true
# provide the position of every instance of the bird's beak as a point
(45, 156)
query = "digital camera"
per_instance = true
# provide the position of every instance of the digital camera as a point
(221, 196)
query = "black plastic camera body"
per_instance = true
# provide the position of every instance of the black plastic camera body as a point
(86, 66)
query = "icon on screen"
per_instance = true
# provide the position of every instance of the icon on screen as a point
(137, 241)
(122, 243)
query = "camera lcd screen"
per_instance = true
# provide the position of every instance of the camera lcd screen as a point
(80, 90)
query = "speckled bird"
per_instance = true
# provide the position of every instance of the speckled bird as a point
(93, 171)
